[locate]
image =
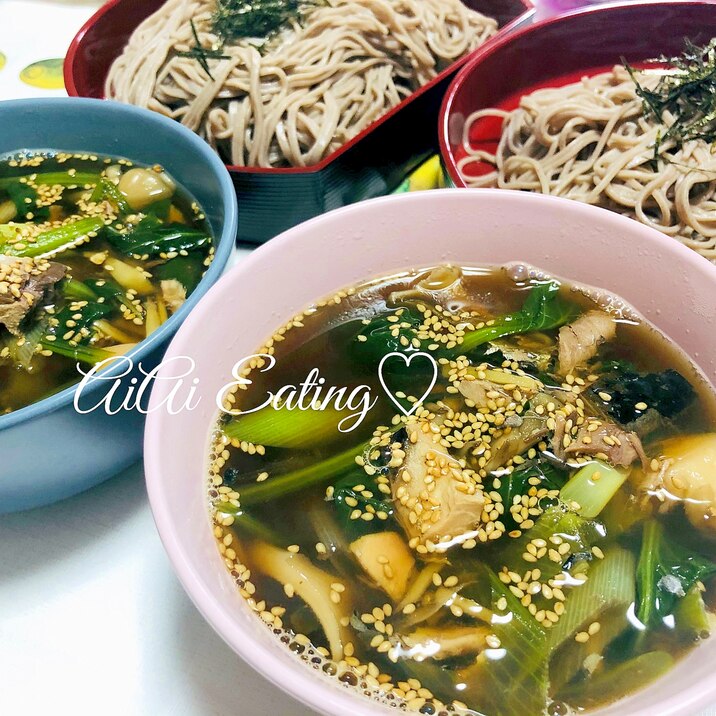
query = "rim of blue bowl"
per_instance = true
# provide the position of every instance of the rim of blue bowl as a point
(223, 243)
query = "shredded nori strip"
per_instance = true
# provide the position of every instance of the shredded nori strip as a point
(687, 92)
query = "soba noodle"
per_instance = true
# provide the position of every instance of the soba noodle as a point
(590, 141)
(316, 85)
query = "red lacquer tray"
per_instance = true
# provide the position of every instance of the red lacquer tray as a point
(560, 50)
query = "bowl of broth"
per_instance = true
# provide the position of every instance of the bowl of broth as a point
(113, 223)
(448, 442)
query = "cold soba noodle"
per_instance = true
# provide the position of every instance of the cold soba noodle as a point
(536, 536)
(285, 84)
(637, 142)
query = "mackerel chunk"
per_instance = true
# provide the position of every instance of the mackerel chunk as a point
(24, 282)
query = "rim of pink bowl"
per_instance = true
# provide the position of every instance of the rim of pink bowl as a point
(294, 678)
(478, 55)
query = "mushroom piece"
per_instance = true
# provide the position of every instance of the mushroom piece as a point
(580, 341)
(311, 584)
(480, 392)
(387, 560)
(436, 497)
(687, 474)
(496, 385)
(445, 642)
(531, 428)
(142, 187)
(610, 442)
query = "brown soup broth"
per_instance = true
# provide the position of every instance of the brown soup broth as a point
(480, 610)
(50, 191)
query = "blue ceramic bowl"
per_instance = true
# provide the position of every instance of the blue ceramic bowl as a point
(49, 451)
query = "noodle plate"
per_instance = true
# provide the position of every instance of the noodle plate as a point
(313, 87)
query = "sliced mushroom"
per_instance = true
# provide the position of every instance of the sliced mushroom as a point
(446, 642)
(496, 385)
(522, 437)
(311, 584)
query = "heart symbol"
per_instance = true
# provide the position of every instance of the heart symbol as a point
(408, 358)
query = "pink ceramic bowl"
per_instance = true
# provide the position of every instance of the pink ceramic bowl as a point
(669, 284)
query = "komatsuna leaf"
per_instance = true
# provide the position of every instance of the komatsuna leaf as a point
(151, 238)
(543, 309)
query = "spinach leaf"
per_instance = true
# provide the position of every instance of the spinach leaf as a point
(107, 191)
(188, 270)
(113, 294)
(377, 339)
(80, 321)
(25, 199)
(81, 324)
(347, 499)
(665, 573)
(543, 309)
(150, 237)
(518, 484)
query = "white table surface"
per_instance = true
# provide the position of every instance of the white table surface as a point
(92, 619)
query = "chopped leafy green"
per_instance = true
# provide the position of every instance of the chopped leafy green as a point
(151, 238)
(543, 309)
(24, 197)
(347, 498)
(377, 339)
(67, 179)
(56, 240)
(160, 208)
(81, 320)
(77, 290)
(666, 572)
(518, 483)
(82, 353)
(107, 191)
(188, 270)
(112, 293)
(668, 393)
(300, 478)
